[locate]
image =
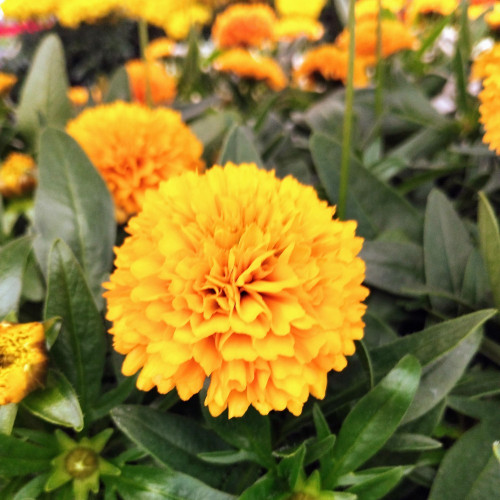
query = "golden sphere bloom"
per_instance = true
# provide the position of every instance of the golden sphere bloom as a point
(486, 63)
(23, 360)
(244, 64)
(134, 148)
(242, 25)
(242, 278)
(17, 175)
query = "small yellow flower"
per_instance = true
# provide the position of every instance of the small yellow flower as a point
(293, 27)
(80, 96)
(17, 175)
(369, 8)
(304, 8)
(7, 81)
(23, 360)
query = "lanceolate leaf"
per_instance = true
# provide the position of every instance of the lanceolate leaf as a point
(19, 458)
(239, 148)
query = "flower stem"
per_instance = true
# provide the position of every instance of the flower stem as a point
(143, 43)
(348, 115)
(379, 82)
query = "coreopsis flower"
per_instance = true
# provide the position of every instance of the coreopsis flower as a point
(243, 25)
(159, 48)
(22, 10)
(328, 62)
(242, 278)
(73, 13)
(23, 360)
(7, 81)
(292, 27)
(17, 175)
(134, 148)
(251, 66)
(163, 86)
(489, 109)
(310, 8)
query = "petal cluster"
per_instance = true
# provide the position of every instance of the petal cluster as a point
(238, 277)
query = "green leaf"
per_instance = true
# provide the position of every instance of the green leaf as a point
(447, 248)
(380, 485)
(73, 203)
(374, 419)
(173, 440)
(7, 418)
(44, 98)
(470, 470)
(113, 398)
(496, 450)
(269, 487)
(13, 257)
(191, 66)
(319, 448)
(375, 205)
(411, 442)
(226, 457)
(33, 281)
(33, 489)
(291, 467)
(489, 243)
(478, 384)
(151, 483)
(475, 286)
(56, 403)
(239, 148)
(475, 408)
(119, 87)
(20, 458)
(323, 433)
(80, 349)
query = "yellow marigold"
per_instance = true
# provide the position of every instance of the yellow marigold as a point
(486, 63)
(22, 10)
(292, 27)
(241, 277)
(181, 19)
(489, 110)
(309, 8)
(23, 360)
(417, 8)
(17, 175)
(73, 13)
(163, 85)
(395, 37)
(160, 48)
(242, 25)
(369, 8)
(80, 96)
(328, 62)
(134, 148)
(244, 64)
(7, 81)
(493, 18)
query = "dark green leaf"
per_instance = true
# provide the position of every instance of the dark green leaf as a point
(411, 442)
(238, 148)
(33, 282)
(478, 384)
(119, 87)
(268, 487)
(44, 98)
(319, 448)
(475, 286)
(228, 457)
(113, 398)
(475, 408)
(19, 458)
(378, 486)
(57, 402)
(323, 432)
(291, 467)
(469, 469)
(374, 418)
(7, 418)
(33, 489)
(13, 258)
(80, 348)
(191, 66)
(73, 203)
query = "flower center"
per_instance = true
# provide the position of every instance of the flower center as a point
(81, 462)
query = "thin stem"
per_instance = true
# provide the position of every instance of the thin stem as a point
(379, 104)
(143, 43)
(347, 129)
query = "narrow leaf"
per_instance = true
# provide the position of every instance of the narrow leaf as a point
(19, 458)
(380, 485)
(7, 418)
(238, 148)
(411, 442)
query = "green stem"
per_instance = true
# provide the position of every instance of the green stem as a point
(379, 82)
(348, 115)
(143, 43)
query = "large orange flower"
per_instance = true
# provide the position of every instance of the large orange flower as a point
(244, 25)
(23, 360)
(135, 148)
(247, 65)
(241, 277)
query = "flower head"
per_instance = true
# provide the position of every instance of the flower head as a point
(311, 8)
(80, 96)
(134, 148)
(7, 81)
(486, 63)
(489, 110)
(242, 278)
(160, 48)
(163, 85)
(17, 175)
(23, 10)
(23, 360)
(369, 8)
(244, 64)
(72, 14)
(417, 8)
(242, 25)
(292, 27)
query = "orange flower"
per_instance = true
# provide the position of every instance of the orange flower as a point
(134, 148)
(17, 175)
(328, 62)
(306, 9)
(369, 8)
(79, 96)
(242, 25)
(163, 86)
(493, 18)
(486, 63)
(247, 65)
(7, 81)
(238, 277)
(23, 360)
(160, 48)
(293, 27)
(417, 8)
(395, 37)
(489, 109)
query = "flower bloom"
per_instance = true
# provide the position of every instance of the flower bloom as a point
(80, 96)
(242, 25)
(486, 63)
(311, 8)
(17, 175)
(328, 62)
(241, 277)
(162, 85)
(418, 8)
(22, 10)
(292, 27)
(159, 48)
(72, 14)
(365, 9)
(7, 81)
(134, 148)
(244, 64)
(23, 360)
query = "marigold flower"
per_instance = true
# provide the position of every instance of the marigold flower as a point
(310, 8)
(417, 8)
(486, 63)
(241, 277)
(242, 25)
(328, 62)
(365, 9)
(248, 65)
(178, 24)
(163, 86)
(17, 175)
(80, 96)
(72, 14)
(22, 10)
(7, 81)
(159, 48)
(23, 360)
(293, 27)
(489, 110)
(134, 148)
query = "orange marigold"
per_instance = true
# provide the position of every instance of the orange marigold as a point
(17, 175)
(134, 148)
(486, 63)
(7, 81)
(328, 62)
(489, 110)
(23, 360)
(248, 65)
(163, 85)
(80, 96)
(242, 25)
(292, 27)
(241, 277)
